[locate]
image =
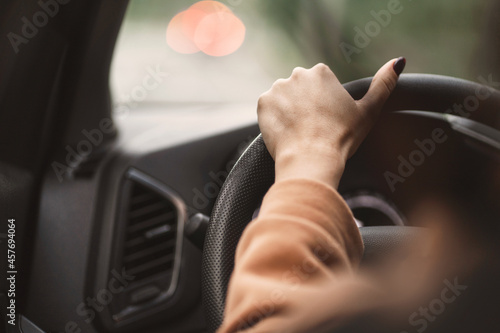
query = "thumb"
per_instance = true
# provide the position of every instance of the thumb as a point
(383, 84)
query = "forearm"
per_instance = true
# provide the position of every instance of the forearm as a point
(305, 234)
(323, 164)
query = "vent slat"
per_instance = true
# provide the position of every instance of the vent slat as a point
(161, 219)
(150, 265)
(143, 197)
(148, 251)
(154, 207)
(134, 241)
(150, 235)
(139, 240)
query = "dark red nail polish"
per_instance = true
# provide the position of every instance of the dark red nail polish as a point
(399, 65)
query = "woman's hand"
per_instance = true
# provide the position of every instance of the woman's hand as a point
(311, 125)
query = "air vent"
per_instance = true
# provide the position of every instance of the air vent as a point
(151, 234)
(150, 226)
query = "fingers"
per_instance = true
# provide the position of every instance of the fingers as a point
(323, 69)
(383, 84)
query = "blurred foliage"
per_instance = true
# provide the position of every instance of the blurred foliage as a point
(450, 37)
(440, 37)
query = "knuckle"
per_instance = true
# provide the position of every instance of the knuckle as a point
(297, 71)
(322, 67)
(262, 101)
(280, 82)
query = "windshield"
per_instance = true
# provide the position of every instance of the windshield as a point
(233, 50)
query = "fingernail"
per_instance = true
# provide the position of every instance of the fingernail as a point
(399, 65)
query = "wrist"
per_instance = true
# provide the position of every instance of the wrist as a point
(323, 165)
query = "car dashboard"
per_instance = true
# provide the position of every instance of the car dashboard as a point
(111, 252)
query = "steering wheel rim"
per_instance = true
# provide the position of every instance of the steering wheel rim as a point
(253, 175)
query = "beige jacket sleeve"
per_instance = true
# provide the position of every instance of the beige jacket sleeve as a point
(303, 248)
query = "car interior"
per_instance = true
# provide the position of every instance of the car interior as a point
(125, 217)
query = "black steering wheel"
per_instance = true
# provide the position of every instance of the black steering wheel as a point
(253, 175)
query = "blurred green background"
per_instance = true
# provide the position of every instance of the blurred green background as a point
(451, 37)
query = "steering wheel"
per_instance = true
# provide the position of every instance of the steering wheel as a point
(253, 175)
